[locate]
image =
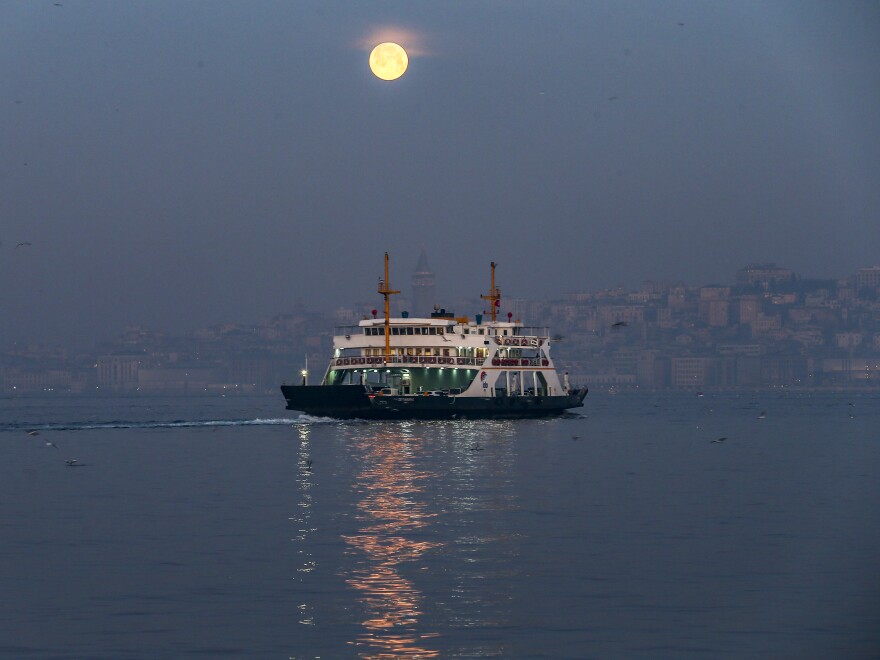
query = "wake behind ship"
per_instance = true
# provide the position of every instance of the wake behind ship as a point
(440, 367)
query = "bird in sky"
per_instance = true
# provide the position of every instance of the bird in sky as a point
(722, 439)
(33, 433)
(619, 324)
(71, 462)
(23, 244)
(49, 443)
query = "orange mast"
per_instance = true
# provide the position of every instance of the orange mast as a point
(385, 290)
(494, 294)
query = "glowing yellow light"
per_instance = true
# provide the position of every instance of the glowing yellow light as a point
(388, 61)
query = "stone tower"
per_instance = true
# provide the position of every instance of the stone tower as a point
(423, 296)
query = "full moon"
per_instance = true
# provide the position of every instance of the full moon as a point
(388, 61)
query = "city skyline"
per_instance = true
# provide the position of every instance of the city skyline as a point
(355, 310)
(768, 327)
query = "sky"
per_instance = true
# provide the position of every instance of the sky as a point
(178, 164)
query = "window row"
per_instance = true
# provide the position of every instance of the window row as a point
(410, 330)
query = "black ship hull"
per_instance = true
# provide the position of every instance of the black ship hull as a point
(357, 402)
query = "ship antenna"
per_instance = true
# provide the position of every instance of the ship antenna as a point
(494, 295)
(385, 290)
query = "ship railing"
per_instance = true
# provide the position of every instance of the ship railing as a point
(407, 360)
(435, 361)
(520, 362)
(533, 330)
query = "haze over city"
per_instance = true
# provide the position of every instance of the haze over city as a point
(174, 165)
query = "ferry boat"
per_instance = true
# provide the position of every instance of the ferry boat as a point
(440, 367)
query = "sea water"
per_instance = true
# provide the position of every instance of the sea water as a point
(226, 527)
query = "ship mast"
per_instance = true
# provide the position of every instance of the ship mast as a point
(494, 294)
(385, 290)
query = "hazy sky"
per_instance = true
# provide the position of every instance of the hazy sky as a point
(174, 164)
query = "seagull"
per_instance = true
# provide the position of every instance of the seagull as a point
(619, 324)
(575, 437)
(70, 462)
(25, 243)
(49, 443)
(763, 415)
(722, 439)
(33, 433)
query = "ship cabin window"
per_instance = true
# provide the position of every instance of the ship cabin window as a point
(409, 331)
(480, 331)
